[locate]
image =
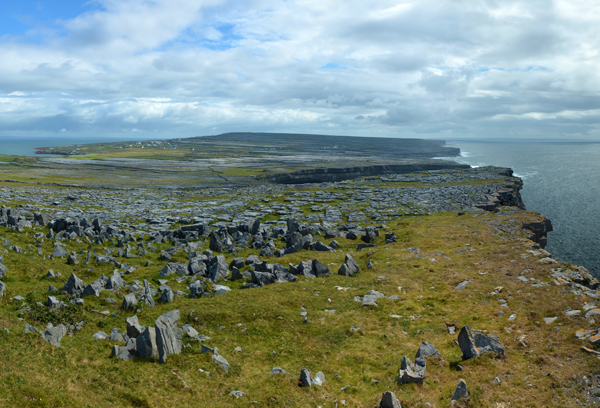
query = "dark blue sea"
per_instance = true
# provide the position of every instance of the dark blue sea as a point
(561, 181)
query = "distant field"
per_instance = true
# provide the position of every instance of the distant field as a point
(263, 144)
(238, 158)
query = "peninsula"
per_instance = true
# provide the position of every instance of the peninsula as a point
(284, 270)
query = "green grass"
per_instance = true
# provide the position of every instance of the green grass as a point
(80, 373)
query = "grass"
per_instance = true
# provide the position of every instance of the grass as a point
(265, 323)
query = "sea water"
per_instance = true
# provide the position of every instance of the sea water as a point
(561, 181)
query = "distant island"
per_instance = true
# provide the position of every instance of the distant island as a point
(250, 158)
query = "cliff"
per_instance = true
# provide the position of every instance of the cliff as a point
(291, 295)
(326, 175)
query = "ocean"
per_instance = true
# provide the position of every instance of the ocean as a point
(561, 181)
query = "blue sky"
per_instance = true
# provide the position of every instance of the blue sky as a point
(177, 68)
(20, 17)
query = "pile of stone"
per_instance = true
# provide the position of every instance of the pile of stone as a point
(414, 372)
(266, 274)
(75, 286)
(11, 218)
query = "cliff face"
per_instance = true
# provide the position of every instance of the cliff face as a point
(508, 196)
(538, 230)
(323, 175)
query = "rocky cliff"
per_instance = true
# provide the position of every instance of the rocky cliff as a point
(324, 175)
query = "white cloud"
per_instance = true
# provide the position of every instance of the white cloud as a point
(464, 68)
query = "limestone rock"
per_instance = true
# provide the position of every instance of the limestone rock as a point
(129, 301)
(277, 370)
(460, 391)
(411, 372)
(473, 343)
(134, 329)
(74, 285)
(53, 335)
(196, 289)
(320, 269)
(147, 295)
(146, 344)
(427, 349)
(389, 400)
(218, 268)
(319, 378)
(221, 361)
(115, 281)
(306, 377)
(168, 336)
(167, 296)
(349, 267)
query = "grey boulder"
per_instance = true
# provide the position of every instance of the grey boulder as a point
(350, 266)
(389, 400)
(460, 391)
(306, 377)
(320, 269)
(167, 296)
(319, 378)
(127, 352)
(168, 336)
(277, 370)
(218, 268)
(411, 372)
(474, 343)
(196, 289)
(129, 301)
(147, 295)
(74, 285)
(427, 349)
(134, 329)
(53, 335)
(221, 361)
(146, 344)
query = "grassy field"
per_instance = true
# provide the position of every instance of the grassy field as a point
(258, 329)
(234, 145)
(358, 348)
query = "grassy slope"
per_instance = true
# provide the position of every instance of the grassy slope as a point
(80, 373)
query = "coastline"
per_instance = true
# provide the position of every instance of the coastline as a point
(434, 250)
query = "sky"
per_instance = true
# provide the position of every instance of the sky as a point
(455, 69)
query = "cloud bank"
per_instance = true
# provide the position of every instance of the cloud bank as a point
(427, 68)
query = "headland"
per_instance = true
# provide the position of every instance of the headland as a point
(132, 279)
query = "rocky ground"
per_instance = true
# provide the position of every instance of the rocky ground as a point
(242, 293)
